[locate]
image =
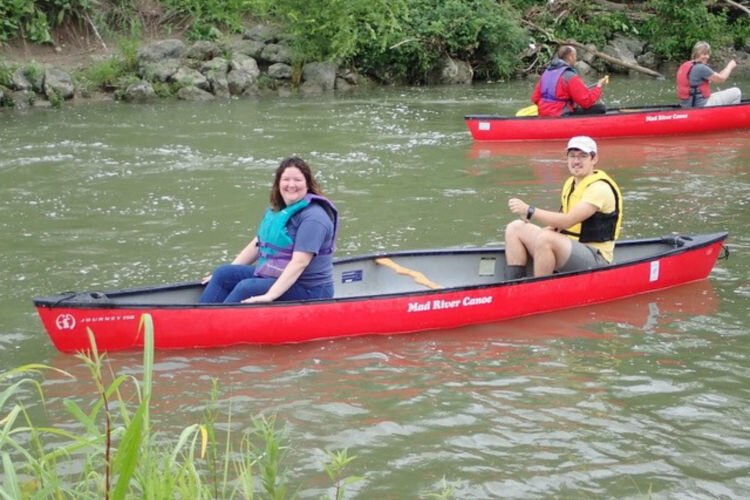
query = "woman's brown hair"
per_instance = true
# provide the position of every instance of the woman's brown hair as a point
(277, 201)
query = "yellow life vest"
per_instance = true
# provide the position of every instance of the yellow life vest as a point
(599, 227)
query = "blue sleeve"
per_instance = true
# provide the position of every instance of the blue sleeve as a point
(314, 230)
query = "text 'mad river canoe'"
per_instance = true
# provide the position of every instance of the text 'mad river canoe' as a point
(618, 122)
(377, 294)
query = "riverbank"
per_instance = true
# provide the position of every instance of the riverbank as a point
(259, 62)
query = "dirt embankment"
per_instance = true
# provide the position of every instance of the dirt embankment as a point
(69, 52)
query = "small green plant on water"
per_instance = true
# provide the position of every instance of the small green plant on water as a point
(335, 470)
(446, 492)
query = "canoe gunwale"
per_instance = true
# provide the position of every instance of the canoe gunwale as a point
(611, 113)
(679, 244)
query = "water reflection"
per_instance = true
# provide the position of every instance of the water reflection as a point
(712, 153)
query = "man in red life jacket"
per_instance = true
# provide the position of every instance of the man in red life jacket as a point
(561, 91)
(694, 78)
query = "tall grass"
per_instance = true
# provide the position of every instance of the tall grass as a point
(114, 72)
(116, 455)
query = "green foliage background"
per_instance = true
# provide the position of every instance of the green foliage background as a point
(679, 23)
(394, 40)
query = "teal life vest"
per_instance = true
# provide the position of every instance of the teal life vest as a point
(275, 244)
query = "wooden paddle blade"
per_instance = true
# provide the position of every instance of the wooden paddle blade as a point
(418, 277)
(532, 110)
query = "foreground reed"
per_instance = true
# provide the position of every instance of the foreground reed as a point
(116, 456)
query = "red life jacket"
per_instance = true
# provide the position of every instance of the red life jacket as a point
(684, 90)
(550, 103)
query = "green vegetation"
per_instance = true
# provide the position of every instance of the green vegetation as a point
(674, 18)
(207, 18)
(119, 455)
(6, 70)
(114, 73)
(400, 40)
(578, 27)
(331, 29)
(394, 41)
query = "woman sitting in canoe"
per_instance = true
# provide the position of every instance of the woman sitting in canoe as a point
(694, 79)
(582, 235)
(291, 257)
(561, 91)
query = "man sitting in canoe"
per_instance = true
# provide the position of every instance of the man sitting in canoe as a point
(582, 235)
(291, 257)
(561, 91)
(694, 79)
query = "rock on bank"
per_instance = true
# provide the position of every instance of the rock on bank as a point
(257, 62)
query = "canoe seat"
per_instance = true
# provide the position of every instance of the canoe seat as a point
(416, 275)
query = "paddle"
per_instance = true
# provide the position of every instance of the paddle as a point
(532, 110)
(416, 275)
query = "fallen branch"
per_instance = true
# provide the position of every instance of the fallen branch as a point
(614, 60)
(601, 55)
(96, 32)
(739, 6)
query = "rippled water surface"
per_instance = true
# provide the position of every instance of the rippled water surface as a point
(638, 397)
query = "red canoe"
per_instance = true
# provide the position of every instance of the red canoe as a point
(619, 122)
(382, 294)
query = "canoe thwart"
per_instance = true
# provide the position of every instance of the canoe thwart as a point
(416, 275)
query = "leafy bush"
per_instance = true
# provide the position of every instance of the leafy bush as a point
(6, 72)
(665, 31)
(584, 27)
(207, 17)
(115, 72)
(399, 40)
(121, 18)
(485, 33)
(330, 29)
(33, 19)
(23, 19)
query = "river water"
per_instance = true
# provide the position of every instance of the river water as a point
(644, 396)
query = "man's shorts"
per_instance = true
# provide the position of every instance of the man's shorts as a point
(582, 257)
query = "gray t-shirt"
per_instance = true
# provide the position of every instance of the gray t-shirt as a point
(698, 74)
(312, 231)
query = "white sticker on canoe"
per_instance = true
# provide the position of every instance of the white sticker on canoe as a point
(484, 125)
(654, 271)
(661, 118)
(440, 304)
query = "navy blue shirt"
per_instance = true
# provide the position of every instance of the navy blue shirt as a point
(312, 231)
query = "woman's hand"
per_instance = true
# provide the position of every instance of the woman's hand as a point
(257, 299)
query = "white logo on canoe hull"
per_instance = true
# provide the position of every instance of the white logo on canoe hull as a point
(65, 321)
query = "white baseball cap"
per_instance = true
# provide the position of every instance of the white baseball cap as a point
(582, 142)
